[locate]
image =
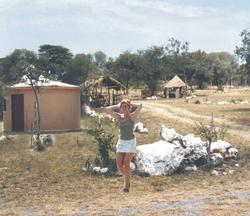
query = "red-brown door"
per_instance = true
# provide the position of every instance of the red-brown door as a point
(17, 108)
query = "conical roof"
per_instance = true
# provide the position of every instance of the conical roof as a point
(43, 82)
(175, 82)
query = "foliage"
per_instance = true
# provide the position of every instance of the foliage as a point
(244, 50)
(128, 67)
(152, 65)
(105, 145)
(224, 68)
(78, 69)
(209, 133)
(54, 60)
(143, 68)
(99, 59)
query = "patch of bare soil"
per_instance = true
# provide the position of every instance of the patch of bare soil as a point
(183, 115)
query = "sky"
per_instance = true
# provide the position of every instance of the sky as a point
(116, 26)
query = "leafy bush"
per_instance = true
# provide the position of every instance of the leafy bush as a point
(210, 133)
(105, 147)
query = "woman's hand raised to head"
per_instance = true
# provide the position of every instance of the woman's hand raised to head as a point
(137, 110)
(110, 111)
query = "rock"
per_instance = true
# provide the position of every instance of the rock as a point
(2, 138)
(84, 169)
(215, 172)
(104, 170)
(195, 149)
(152, 98)
(159, 158)
(231, 172)
(224, 173)
(237, 165)
(168, 134)
(232, 153)
(223, 102)
(97, 169)
(139, 127)
(244, 102)
(47, 139)
(220, 146)
(191, 168)
(3, 169)
(216, 159)
(132, 166)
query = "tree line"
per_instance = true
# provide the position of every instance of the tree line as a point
(144, 68)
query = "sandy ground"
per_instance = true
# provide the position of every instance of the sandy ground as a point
(183, 115)
(184, 195)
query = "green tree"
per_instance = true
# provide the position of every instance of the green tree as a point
(152, 66)
(127, 68)
(100, 59)
(54, 59)
(244, 50)
(224, 67)
(78, 69)
(198, 70)
(176, 58)
(25, 64)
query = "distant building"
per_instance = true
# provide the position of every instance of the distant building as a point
(59, 107)
(105, 91)
(175, 88)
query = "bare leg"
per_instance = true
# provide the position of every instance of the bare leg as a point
(127, 171)
(120, 162)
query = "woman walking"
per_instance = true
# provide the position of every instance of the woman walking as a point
(126, 145)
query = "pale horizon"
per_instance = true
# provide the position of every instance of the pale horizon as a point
(116, 26)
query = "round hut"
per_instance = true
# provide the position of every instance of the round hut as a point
(175, 88)
(59, 107)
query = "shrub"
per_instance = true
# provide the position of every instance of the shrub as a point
(210, 133)
(105, 147)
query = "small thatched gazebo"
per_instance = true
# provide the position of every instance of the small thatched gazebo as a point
(105, 90)
(175, 88)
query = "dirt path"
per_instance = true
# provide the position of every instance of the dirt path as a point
(188, 117)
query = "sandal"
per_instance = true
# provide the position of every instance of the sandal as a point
(126, 189)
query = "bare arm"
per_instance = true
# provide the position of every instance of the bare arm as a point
(110, 111)
(137, 110)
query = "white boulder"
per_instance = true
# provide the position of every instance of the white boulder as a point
(220, 146)
(159, 158)
(97, 169)
(232, 153)
(195, 149)
(191, 168)
(2, 138)
(216, 159)
(168, 134)
(140, 128)
(104, 170)
(223, 102)
(215, 172)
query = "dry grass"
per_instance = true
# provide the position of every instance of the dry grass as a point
(53, 182)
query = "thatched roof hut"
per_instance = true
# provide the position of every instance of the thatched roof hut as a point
(175, 88)
(105, 81)
(175, 82)
(99, 90)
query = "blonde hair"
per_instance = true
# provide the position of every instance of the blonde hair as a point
(127, 101)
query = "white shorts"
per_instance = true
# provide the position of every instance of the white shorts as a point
(126, 145)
